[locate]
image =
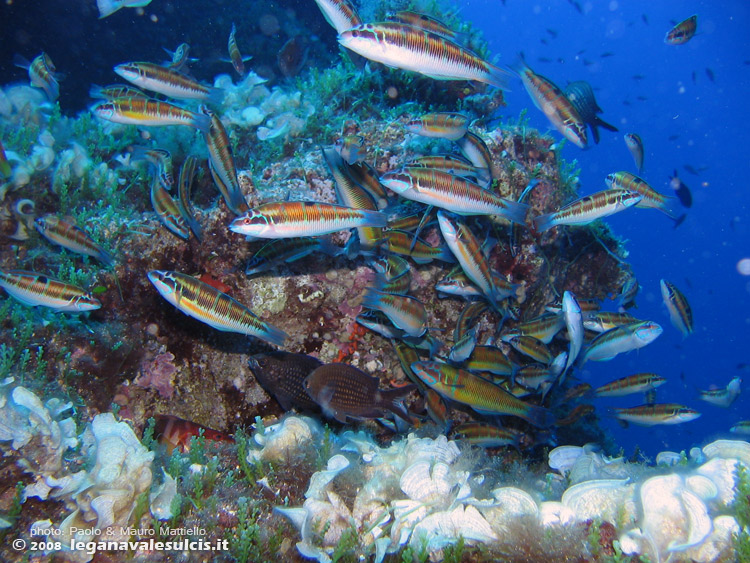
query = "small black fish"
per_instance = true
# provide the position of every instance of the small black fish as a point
(544, 41)
(641, 98)
(581, 95)
(626, 103)
(576, 5)
(544, 60)
(690, 169)
(283, 375)
(607, 54)
(292, 56)
(587, 62)
(345, 392)
(638, 77)
(644, 17)
(552, 32)
(710, 74)
(694, 78)
(681, 190)
(673, 137)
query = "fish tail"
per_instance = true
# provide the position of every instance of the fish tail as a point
(96, 91)
(515, 212)
(392, 400)
(21, 62)
(374, 218)
(540, 417)
(372, 299)
(107, 7)
(520, 66)
(670, 207)
(498, 77)
(601, 123)
(544, 222)
(105, 258)
(202, 122)
(272, 334)
(215, 96)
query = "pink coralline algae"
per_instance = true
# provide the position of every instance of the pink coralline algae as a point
(157, 374)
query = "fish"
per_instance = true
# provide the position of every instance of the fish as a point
(636, 383)
(390, 267)
(463, 345)
(452, 193)
(473, 147)
(238, 61)
(602, 321)
(426, 22)
(41, 74)
(535, 376)
(490, 359)
(164, 80)
(283, 375)
(487, 435)
(635, 146)
(175, 432)
(574, 324)
(292, 56)
(588, 208)
(638, 77)
(160, 159)
(109, 7)
(710, 74)
(628, 293)
(366, 176)
(345, 392)
(682, 32)
(168, 211)
(533, 348)
(38, 290)
(221, 163)
(468, 251)
(651, 198)
(303, 218)
(402, 243)
(407, 47)
(180, 57)
(399, 286)
(576, 414)
(723, 397)
(581, 95)
(441, 125)
(115, 91)
(184, 188)
(351, 148)
(681, 190)
(210, 306)
(551, 100)
(680, 313)
(607, 54)
(71, 237)
(5, 167)
(288, 250)
(405, 312)
(480, 394)
(340, 14)
(436, 408)
(621, 339)
(468, 317)
(543, 328)
(657, 413)
(147, 111)
(741, 427)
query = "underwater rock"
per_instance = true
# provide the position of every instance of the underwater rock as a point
(609, 500)
(294, 438)
(161, 499)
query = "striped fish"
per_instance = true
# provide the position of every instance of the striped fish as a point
(168, 211)
(436, 408)
(287, 250)
(339, 13)
(184, 187)
(441, 125)
(399, 286)
(621, 339)
(468, 251)
(114, 91)
(221, 163)
(722, 397)
(603, 321)
(533, 348)
(212, 307)
(424, 21)
(167, 81)
(679, 309)
(146, 111)
(390, 267)
(636, 383)
(402, 243)
(543, 328)
(651, 198)
(635, 146)
(405, 312)
(468, 317)
(588, 208)
(489, 359)
(483, 396)
(554, 104)
(238, 61)
(180, 57)
(302, 218)
(463, 346)
(535, 376)
(452, 193)
(452, 164)
(41, 74)
(658, 413)
(160, 159)
(475, 149)
(366, 176)
(486, 435)
(581, 95)
(352, 195)
(36, 290)
(407, 47)
(71, 237)
(574, 324)
(682, 32)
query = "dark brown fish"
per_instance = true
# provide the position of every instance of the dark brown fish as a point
(292, 56)
(283, 375)
(345, 392)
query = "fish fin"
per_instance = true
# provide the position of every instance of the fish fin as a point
(21, 62)
(601, 123)
(544, 222)
(540, 417)
(107, 7)
(499, 78)
(202, 122)
(595, 131)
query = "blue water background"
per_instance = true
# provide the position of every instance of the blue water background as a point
(700, 257)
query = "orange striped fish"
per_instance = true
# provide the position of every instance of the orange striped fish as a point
(440, 125)
(480, 394)
(637, 383)
(35, 290)
(553, 102)
(426, 22)
(679, 309)
(168, 211)
(452, 164)
(303, 219)
(221, 164)
(184, 187)
(533, 348)
(41, 74)
(475, 149)
(487, 435)
(589, 208)
(406, 312)
(602, 321)
(366, 176)
(71, 237)
(147, 111)
(401, 243)
(176, 432)
(682, 32)
(114, 91)
(238, 61)
(160, 159)
(212, 307)
(167, 81)
(339, 13)
(659, 413)
(452, 193)
(635, 146)
(651, 198)
(407, 47)
(543, 328)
